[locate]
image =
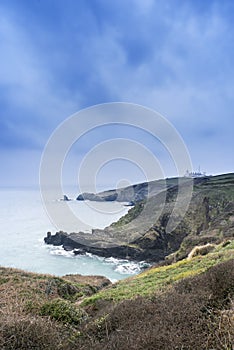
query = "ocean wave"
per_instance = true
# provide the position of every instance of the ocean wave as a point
(131, 268)
(121, 266)
(115, 260)
(124, 266)
(59, 250)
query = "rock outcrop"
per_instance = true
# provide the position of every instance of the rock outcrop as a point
(65, 198)
(97, 197)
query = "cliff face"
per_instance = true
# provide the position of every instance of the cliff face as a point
(142, 234)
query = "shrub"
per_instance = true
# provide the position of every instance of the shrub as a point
(63, 311)
(190, 316)
(29, 333)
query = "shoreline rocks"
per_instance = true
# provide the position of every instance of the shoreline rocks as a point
(73, 242)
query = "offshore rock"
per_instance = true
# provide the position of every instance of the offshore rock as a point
(65, 198)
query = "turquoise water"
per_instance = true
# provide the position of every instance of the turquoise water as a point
(24, 223)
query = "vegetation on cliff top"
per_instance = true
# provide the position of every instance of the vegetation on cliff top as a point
(159, 278)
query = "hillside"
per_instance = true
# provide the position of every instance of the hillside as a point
(184, 305)
(184, 301)
(142, 234)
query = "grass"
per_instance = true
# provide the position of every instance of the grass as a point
(131, 215)
(158, 279)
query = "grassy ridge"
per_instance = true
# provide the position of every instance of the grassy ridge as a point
(160, 278)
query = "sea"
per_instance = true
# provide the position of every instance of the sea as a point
(24, 223)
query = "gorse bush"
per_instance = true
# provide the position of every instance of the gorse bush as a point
(63, 311)
(190, 316)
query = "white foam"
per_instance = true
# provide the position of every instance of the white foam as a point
(121, 266)
(124, 266)
(128, 268)
(115, 260)
(59, 250)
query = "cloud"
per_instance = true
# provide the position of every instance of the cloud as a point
(30, 95)
(173, 56)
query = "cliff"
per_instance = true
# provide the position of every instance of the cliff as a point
(133, 193)
(138, 236)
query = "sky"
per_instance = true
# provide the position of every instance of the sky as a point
(58, 57)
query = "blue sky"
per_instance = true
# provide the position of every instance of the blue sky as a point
(57, 57)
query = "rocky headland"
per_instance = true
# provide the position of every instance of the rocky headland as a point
(141, 234)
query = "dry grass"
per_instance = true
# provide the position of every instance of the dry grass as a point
(39, 311)
(195, 312)
(27, 332)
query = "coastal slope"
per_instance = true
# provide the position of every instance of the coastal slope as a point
(187, 304)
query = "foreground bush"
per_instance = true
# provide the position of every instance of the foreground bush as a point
(29, 333)
(196, 314)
